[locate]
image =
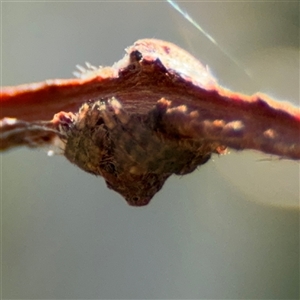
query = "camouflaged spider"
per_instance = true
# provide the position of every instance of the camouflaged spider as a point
(133, 156)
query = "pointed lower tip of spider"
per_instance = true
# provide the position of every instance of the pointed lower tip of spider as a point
(137, 201)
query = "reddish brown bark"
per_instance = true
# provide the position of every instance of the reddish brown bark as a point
(166, 71)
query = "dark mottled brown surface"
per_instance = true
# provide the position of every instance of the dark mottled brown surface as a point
(131, 151)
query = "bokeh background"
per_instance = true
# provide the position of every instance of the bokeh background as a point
(229, 230)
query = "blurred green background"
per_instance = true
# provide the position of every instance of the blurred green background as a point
(229, 230)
